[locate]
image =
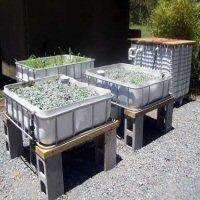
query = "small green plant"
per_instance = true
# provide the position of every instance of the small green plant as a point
(51, 94)
(128, 76)
(52, 61)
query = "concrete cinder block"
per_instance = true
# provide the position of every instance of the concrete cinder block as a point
(50, 175)
(14, 142)
(134, 137)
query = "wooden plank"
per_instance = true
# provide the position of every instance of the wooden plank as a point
(161, 41)
(4, 118)
(133, 112)
(79, 139)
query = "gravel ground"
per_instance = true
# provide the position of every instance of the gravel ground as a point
(167, 168)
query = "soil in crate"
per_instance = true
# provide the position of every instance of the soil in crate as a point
(50, 94)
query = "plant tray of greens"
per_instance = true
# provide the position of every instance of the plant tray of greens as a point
(51, 94)
(68, 64)
(129, 76)
(132, 85)
(61, 105)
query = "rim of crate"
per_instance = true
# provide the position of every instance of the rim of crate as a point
(91, 74)
(162, 41)
(22, 64)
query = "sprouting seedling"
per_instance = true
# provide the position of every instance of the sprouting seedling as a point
(60, 50)
(70, 53)
(54, 57)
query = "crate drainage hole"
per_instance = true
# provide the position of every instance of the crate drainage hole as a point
(5, 128)
(41, 166)
(7, 146)
(43, 187)
(129, 141)
(129, 124)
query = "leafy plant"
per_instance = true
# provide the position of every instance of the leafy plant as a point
(56, 60)
(128, 76)
(52, 93)
(179, 19)
(140, 11)
(176, 19)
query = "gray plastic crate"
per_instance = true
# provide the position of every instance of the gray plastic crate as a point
(175, 59)
(55, 125)
(130, 94)
(74, 70)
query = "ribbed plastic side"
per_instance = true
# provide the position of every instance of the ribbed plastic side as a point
(176, 60)
(132, 95)
(75, 70)
(59, 124)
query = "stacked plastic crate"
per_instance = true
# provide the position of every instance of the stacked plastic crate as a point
(165, 54)
(75, 69)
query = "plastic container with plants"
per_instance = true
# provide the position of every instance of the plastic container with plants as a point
(39, 67)
(60, 107)
(132, 85)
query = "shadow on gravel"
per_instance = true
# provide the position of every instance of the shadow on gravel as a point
(151, 133)
(189, 98)
(78, 164)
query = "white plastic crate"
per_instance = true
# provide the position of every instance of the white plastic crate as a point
(175, 59)
(55, 125)
(74, 70)
(130, 94)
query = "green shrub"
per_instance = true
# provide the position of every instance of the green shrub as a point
(179, 19)
(140, 11)
(176, 19)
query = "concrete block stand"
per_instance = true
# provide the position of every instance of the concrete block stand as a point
(49, 160)
(134, 121)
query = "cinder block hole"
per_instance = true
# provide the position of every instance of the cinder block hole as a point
(43, 187)
(41, 166)
(7, 146)
(129, 124)
(5, 130)
(129, 141)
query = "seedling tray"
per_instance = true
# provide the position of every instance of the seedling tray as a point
(74, 70)
(54, 125)
(127, 94)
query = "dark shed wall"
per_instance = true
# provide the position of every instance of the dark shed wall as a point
(93, 28)
(12, 41)
(110, 28)
(54, 24)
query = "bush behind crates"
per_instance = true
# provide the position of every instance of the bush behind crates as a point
(179, 19)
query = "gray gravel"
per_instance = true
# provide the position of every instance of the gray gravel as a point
(167, 168)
